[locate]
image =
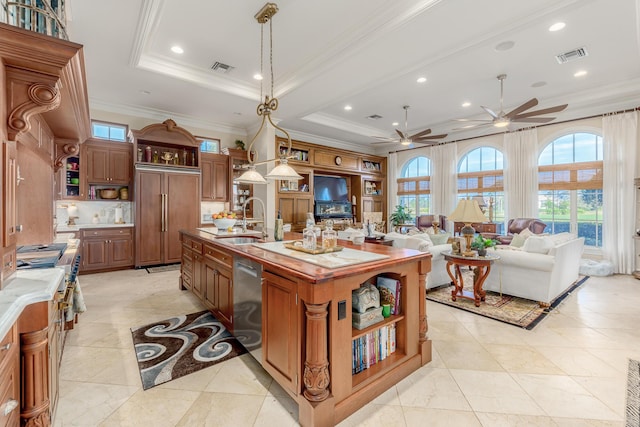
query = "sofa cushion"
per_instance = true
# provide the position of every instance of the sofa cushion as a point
(524, 260)
(538, 244)
(439, 238)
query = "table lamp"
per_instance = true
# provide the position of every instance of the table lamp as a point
(72, 212)
(467, 212)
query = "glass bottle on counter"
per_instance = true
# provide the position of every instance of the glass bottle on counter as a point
(278, 233)
(308, 235)
(329, 236)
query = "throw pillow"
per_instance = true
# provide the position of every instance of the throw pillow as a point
(526, 233)
(537, 244)
(517, 240)
(439, 238)
(413, 231)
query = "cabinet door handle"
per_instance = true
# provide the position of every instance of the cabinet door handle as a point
(163, 211)
(9, 406)
(5, 347)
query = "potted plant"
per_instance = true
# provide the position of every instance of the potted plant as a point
(402, 215)
(481, 244)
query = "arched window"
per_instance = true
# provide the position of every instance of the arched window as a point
(570, 186)
(414, 189)
(480, 174)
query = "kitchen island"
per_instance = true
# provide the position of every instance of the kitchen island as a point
(308, 341)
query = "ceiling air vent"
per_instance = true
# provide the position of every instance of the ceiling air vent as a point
(219, 67)
(571, 55)
(374, 117)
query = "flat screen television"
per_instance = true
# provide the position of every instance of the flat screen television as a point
(330, 188)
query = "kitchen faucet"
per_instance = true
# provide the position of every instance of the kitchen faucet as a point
(244, 216)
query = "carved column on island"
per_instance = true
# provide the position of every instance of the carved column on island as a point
(423, 339)
(316, 366)
(34, 354)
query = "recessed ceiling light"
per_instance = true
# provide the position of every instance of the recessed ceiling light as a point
(580, 73)
(177, 49)
(501, 47)
(257, 76)
(395, 124)
(466, 104)
(348, 108)
(539, 84)
(557, 26)
(421, 79)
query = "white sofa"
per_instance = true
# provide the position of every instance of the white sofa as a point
(542, 269)
(421, 242)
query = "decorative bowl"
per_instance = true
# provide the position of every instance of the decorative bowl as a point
(224, 223)
(109, 193)
(75, 181)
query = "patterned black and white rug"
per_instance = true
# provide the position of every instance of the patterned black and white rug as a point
(633, 394)
(175, 347)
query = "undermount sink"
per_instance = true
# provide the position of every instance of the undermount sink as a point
(244, 240)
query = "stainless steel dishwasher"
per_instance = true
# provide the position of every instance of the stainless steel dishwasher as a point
(247, 304)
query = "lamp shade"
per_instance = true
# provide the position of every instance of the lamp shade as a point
(284, 172)
(251, 176)
(467, 211)
(480, 201)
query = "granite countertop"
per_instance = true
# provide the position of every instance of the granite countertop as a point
(67, 228)
(24, 288)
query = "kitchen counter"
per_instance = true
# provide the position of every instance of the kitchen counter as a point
(27, 287)
(70, 228)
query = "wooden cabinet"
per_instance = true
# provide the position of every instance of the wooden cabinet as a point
(370, 194)
(215, 177)
(239, 192)
(72, 183)
(280, 333)
(166, 202)
(294, 202)
(218, 279)
(485, 227)
(108, 162)
(10, 379)
(8, 210)
(106, 248)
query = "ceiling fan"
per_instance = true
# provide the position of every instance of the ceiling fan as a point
(422, 137)
(518, 114)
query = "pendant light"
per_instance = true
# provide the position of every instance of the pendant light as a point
(283, 171)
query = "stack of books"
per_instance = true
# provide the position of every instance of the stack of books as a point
(373, 347)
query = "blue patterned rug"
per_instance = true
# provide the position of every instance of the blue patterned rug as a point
(179, 346)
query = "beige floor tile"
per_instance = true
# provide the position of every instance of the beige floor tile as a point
(523, 359)
(222, 410)
(467, 355)
(100, 365)
(495, 392)
(280, 411)
(449, 331)
(611, 391)
(421, 417)
(576, 422)
(511, 420)
(373, 415)
(154, 407)
(577, 361)
(497, 333)
(562, 396)
(431, 388)
(241, 375)
(87, 404)
(196, 381)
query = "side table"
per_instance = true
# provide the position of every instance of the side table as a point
(482, 268)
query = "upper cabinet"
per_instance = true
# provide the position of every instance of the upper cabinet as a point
(108, 162)
(215, 177)
(165, 144)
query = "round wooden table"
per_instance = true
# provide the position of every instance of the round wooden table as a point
(481, 267)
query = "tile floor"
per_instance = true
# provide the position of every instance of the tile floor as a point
(569, 371)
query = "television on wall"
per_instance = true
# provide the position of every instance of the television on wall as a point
(330, 189)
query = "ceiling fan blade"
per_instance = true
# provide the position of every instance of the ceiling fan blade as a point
(549, 110)
(399, 132)
(490, 111)
(529, 104)
(427, 138)
(533, 119)
(421, 133)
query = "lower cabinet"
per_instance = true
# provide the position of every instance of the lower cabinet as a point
(10, 379)
(106, 248)
(208, 273)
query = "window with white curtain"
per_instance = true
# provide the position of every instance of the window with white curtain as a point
(414, 186)
(480, 173)
(570, 186)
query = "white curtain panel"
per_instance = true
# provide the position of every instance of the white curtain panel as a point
(521, 174)
(620, 138)
(392, 187)
(444, 184)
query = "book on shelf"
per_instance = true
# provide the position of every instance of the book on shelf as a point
(373, 347)
(389, 292)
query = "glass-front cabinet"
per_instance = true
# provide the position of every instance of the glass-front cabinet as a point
(239, 191)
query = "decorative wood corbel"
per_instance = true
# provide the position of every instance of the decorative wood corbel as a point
(41, 97)
(64, 149)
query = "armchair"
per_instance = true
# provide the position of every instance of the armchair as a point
(426, 221)
(516, 225)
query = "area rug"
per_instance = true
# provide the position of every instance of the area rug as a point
(508, 309)
(175, 347)
(633, 394)
(161, 268)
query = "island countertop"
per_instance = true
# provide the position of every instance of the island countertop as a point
(308, 272)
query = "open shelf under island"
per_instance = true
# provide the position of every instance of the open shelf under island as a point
(307, 331)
